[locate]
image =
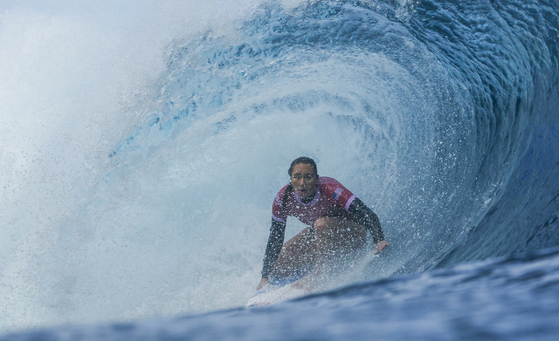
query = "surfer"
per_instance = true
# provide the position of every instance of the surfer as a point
(337, 221)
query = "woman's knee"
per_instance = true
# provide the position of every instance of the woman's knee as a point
(339, 229)
(325, 225)
(321, 223)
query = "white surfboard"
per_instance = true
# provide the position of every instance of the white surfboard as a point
(275, 293)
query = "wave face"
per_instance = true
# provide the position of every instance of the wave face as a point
(442, 116)
(504, 299)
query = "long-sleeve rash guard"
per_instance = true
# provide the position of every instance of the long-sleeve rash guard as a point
(331, 199)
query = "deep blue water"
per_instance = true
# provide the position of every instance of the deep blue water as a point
(512, 298)
(441, 115)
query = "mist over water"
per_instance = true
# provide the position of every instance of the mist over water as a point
(74, 83)
(143, 144)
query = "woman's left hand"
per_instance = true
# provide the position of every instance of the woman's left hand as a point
(380, 246)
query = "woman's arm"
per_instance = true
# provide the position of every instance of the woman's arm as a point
(363, 215)
(273, 249)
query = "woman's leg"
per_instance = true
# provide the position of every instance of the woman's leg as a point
(335, 237)
(297, 256)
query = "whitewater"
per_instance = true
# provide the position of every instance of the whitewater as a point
(142, 144)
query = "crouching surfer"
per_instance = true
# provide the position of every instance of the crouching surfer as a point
(337, 224)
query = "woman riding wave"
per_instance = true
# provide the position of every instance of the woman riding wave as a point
(337, 221)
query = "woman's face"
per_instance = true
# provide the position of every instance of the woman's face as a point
(304, 180)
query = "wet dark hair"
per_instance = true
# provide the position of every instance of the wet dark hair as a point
(304, 160)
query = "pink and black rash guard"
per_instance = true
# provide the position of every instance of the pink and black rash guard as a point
(331, 199)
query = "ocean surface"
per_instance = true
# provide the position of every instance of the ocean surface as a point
(142, 144)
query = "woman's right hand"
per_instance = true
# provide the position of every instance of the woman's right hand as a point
(263, 283)
(380, 246)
